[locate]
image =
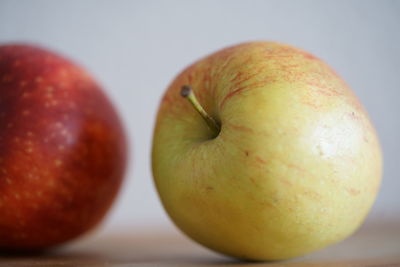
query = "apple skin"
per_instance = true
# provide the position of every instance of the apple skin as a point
(297, 163)
(62, 150)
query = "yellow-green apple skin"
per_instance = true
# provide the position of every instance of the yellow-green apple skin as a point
(297, 163)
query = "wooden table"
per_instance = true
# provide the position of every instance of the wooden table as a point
(375, 244)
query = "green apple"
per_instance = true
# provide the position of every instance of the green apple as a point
(272, 157)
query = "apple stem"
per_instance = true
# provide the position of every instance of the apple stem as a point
(188, 93)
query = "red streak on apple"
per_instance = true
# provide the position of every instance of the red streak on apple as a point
(62, 149)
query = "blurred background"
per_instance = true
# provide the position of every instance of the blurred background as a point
(135, 48)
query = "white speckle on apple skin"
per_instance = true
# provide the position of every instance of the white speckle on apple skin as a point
(22, 84)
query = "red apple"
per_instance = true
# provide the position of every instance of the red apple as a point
(62, 149)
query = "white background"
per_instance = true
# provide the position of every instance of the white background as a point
(135, 48)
